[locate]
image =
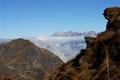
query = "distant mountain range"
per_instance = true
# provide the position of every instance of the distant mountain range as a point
(4, 40)
(74, 34)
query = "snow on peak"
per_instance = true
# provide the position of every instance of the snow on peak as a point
(73, 34)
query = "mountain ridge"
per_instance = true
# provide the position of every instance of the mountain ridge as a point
(24, 59)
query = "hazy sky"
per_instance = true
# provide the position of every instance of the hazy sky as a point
(43, 17)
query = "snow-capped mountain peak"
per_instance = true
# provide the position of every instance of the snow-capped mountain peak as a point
(73, 34)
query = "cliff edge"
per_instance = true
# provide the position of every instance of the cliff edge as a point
(101, 58)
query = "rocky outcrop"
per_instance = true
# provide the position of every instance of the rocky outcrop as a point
(101, 59)
(22, 60)
(113, 17)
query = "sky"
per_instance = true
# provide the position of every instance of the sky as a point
(19, 18)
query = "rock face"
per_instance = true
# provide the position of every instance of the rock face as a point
(22, 60)
(101, 59)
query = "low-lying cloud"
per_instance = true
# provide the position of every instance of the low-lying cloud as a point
(64, 47)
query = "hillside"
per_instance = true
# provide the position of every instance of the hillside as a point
(22, 60)
(101, 59)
